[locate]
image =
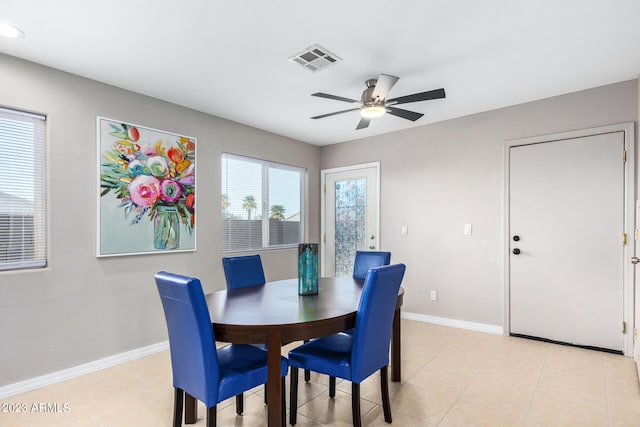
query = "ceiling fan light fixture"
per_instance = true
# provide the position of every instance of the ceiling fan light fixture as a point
(374, 102)
(373, 111)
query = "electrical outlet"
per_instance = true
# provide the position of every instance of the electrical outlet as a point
(434, 296)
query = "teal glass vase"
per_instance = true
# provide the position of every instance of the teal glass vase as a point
(308, 269)
(166, 228)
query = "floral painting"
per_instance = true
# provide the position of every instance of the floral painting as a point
(147, 190)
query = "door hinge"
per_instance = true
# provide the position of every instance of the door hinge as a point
(324, 238)
(636, 233)
(635, 334)
(624, 238)
(624, 327)
(624, 156)
(325, 188)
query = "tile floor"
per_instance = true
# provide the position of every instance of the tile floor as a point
(451, 377)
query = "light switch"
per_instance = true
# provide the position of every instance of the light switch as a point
(467, 229)
(404, 230)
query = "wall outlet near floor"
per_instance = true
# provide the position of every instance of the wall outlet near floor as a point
(434, 295)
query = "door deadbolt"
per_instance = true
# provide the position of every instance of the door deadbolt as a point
(635, 260)
(516, 238)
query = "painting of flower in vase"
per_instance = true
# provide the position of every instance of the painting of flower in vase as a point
(147, 180)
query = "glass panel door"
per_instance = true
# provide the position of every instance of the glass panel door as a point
(350, 220)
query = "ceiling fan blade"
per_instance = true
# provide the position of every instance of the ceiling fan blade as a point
(422, 96)
(337, 98)
(363, 123)
(383, 86)
(405, 114)
(334, 113)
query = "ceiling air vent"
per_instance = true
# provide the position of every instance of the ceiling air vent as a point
(315, 58)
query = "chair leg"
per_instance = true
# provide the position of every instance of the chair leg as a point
(211, 416)
(265, 389)
(177, 407)
(239, 403)
(191, 409)
(355, 405)
(384, 388)
(293, 403)
(307, 373)
(332, 387)
(284, 407)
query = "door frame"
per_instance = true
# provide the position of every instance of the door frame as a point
(323, 195)
(628, 273)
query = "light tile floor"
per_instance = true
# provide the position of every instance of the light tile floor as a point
(451, 377)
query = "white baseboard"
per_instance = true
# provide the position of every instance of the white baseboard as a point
(462, 324)
(107, 362)
(76, 371)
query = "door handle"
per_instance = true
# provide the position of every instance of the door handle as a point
(372, 247)
(516, 251)
(635, 260)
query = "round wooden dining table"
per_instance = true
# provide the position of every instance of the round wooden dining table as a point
(275, 314)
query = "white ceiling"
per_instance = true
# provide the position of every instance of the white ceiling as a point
(230, 58)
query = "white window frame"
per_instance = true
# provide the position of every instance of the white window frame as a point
(39, 205)
(264, 209)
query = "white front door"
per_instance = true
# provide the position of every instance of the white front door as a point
(636, 262)
(350, 205)
(566, 227)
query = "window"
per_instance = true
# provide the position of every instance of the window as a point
(22, 190)
(261, 204)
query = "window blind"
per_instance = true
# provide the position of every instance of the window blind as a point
(22, 190)
(261, 204)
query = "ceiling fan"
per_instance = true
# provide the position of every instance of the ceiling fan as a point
(374, 103)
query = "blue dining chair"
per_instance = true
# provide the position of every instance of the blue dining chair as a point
(241, 271)
(356, 356)
(199, 369)
(365, 260)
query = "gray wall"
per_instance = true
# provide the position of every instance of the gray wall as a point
(438, 177)
(82, 308)
(435, 178)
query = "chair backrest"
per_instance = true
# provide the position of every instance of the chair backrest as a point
(194, 359)
(374, 320)
(368, 259)
(241, 271)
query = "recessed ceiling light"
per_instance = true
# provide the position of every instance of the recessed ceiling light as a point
(8, 30)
